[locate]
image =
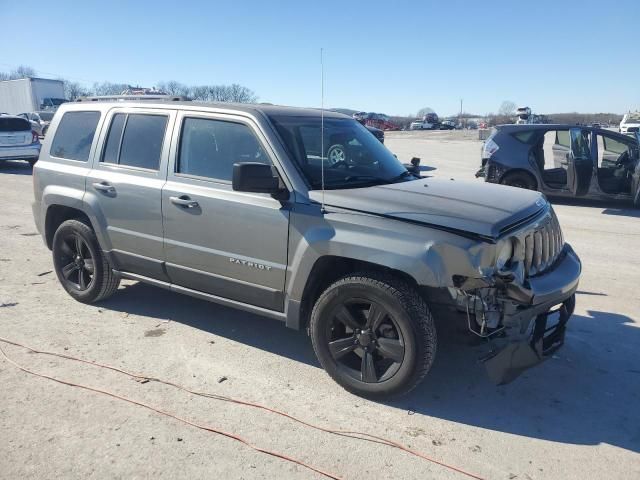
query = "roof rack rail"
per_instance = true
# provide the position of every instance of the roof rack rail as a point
(127, 98)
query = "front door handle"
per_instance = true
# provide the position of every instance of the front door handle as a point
(104, 187)
(183, 201)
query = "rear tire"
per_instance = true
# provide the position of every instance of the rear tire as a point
(80, 264)
(519, 180)
(383, 345)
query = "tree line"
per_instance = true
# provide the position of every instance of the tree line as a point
(206, 93)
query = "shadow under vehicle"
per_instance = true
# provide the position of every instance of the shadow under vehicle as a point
(564, 161)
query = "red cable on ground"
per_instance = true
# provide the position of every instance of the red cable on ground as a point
(162, 412)
(350, 434)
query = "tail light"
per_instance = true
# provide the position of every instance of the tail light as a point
(490, 147)
(34, 136)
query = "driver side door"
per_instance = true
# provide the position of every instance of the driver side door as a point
(216, 240)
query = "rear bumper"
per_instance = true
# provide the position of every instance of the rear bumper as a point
(27, 152)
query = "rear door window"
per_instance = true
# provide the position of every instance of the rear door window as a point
(74, 135)
(135, 140)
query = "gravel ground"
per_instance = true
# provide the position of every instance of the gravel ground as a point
(574, 417)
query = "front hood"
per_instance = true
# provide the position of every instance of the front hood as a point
(482, 209)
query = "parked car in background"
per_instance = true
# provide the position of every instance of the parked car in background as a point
(358, 252)
(630, 123)
(376, 132)
(448, 125)
(429, 121)
(564, 161)
(18, 141)
(35, 120)
(375, 120)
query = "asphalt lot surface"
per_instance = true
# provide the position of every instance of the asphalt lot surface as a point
(574, 417)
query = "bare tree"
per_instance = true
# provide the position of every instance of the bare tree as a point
(240, 94)
(507, 108)
(222, 93)
(423, 111)
(22, 72)
(108, 88)
(199, 93)
(173, 87)
(73, 90)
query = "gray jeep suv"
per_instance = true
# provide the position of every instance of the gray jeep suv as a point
(225, 203)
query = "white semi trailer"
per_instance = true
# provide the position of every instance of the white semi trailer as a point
(30, 95)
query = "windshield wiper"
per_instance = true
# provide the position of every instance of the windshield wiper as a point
(404, 174)
(364, 177)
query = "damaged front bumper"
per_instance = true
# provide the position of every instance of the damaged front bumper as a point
(525, 322)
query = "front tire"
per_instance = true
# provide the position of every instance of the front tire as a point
(80, 264)
(374, 335)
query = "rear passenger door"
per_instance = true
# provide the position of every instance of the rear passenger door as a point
(219, 241)
(125, 187)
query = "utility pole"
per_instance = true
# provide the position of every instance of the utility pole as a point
(460, 118)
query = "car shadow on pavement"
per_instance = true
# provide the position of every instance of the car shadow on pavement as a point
(587, 394)
(610, 207)
(16, 167)
(243, 327)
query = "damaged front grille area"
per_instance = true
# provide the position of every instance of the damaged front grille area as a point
(542, 245)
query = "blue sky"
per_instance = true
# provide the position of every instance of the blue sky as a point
(388, 56)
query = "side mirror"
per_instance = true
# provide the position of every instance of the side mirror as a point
(255, 177)
(414, 167)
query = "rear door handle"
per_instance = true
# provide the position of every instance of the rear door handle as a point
(104, 187)
(184, 201)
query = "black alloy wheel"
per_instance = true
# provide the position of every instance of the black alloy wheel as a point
(365, 341)
(77, 263)
(374, 334)
(80, 264)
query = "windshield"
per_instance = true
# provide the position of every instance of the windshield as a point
(352, 156)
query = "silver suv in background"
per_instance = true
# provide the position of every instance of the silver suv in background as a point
(243, 205)
(18, 141)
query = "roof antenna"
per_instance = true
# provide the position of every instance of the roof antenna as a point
(322, 210)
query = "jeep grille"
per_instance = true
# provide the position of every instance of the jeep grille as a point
(542, 245)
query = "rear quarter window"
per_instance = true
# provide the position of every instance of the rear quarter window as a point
(526, 136)
(74, 135)
(8, 124)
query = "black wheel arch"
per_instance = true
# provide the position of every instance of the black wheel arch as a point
(521, 171)
(56, 215)
(327, 269)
